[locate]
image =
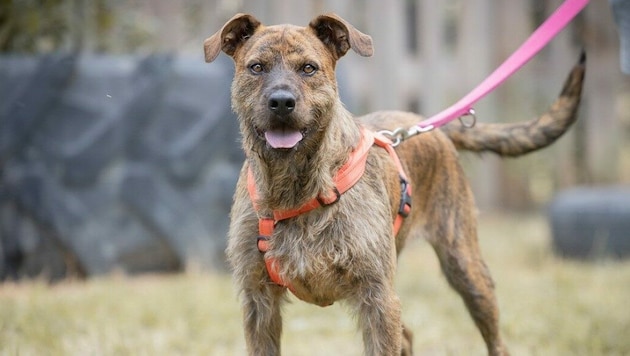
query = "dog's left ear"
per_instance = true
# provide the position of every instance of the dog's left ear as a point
(233, 34)
(339, 36)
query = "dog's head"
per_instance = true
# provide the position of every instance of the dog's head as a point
(284, 90)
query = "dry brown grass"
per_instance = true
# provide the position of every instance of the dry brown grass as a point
(549, 306)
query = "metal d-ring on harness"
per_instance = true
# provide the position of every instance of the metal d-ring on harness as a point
(401, 134)
(472, 123)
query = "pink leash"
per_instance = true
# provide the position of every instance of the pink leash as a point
(543, 35)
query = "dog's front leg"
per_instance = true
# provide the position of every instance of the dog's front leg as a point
(380, 319)
(262, 319)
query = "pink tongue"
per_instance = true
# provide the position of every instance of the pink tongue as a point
(283, 138)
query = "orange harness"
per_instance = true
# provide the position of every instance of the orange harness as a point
(347, 176)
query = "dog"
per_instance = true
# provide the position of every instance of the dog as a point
(297, 226)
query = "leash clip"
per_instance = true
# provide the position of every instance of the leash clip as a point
(400, 134)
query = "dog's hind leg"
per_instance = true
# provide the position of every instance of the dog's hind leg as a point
(467, 273)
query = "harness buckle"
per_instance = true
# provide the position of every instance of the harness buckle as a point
(405, 198)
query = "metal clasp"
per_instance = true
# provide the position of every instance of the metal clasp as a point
(469, 125)
(400, 134)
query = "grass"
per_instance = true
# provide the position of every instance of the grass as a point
(549, 306)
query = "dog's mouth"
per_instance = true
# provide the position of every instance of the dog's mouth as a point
(282, 137)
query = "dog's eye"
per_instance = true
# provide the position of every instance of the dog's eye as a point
(256, 68)
(309, 69)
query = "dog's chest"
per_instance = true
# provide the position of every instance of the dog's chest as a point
(315, 253)
(322, 261)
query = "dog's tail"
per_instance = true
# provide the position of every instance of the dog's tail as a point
(520, 138)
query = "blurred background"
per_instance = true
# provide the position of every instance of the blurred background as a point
(119, 151)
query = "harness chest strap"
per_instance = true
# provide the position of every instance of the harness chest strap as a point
(347, 176)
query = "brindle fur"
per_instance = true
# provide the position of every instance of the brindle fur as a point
(347, 251)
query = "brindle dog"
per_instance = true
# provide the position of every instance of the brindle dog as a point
(296, 134)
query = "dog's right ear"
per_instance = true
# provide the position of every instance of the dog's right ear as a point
(236, 31)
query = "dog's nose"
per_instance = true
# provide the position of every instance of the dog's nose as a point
(281, 102)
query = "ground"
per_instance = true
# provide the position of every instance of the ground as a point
(549, 306)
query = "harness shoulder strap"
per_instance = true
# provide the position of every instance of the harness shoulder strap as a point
(404, 209)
